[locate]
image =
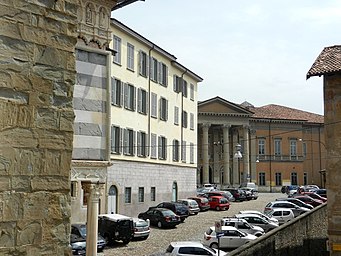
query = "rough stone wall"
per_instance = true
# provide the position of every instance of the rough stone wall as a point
(37, 74)
(332, 117)
(306, 235)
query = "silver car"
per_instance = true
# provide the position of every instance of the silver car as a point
(297, 210)
(192, 205)
(259, 221)
(141, 228)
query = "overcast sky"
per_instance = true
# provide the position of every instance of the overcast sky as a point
(246, 50)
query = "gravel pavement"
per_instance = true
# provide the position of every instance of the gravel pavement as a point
(191, 230)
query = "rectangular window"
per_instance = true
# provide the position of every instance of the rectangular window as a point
(117, 48)
(127, 195)
(176, 83)
(153, 148)
(261, 147)
(163, 109)
(278, 178)
(304, 149)
(141, 195)
(162, 148)
(116, 92)
(294, 178)
(293, 148)
(153, 194)
(278, 147)
(163, 74)
(86, 191)
(176, 146)
(192, 91)
(129, 142)
(141, 144)
(154, 69)
(130, 56)
(305, 178)
(143, 63)
(176, 115)
(261, 177)
(116, 139)
(73, 191)
(183, 151)
(191, 121)
(142, 101)
(184, 88)
(184, 119)
(154, 105)
(129, 97)
(191, 153)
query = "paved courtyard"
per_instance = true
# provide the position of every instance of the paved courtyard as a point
(191, 230)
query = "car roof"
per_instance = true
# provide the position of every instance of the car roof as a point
(239, 215)
(225, 228)
(281, 209)
(186, 243)
(114, 216)
(287, 202)
(250, 212)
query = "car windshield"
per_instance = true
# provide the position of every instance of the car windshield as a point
(210, 249)
(223, 200)
(82, 230)
(167, 213)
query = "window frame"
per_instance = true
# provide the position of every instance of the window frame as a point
(142, 101)
(118, 50)
(129, 97)
(117, 88)
(127, 195)
(163, 107)
(141, 144)
(140, 197)
(261, 146)
(261, 179)
(129, 142)
(116, 139)
(162, 145)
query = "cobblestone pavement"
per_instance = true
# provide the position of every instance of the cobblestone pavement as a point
(191, 230)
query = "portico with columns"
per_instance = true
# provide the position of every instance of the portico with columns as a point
(223, 128)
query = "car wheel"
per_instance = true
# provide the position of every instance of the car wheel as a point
(145, 237)
(126, 241)
(214, 246)
(258, 235)
(217, 208)
(159, 224)
(107, 239)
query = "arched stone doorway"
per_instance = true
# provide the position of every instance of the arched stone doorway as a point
(112, 199)
(175, 191)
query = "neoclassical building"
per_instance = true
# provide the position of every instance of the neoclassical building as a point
(270, 145)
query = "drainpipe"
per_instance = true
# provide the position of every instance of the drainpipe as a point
(270, 155)
(149, 99)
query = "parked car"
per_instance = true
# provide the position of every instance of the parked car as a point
(251, 193)
(308, 200)
(289, 190)
(226, 194)
(178, 208)
(238, 194)
(258, 221)
(243, 225)
(78, 245)
(297, 210)
(218, 203)
(283, 215)
(192, 205)
(322, 192)
(115, 227)
(231, 238)
(141, 228)
(202, 202)
(260, 214)
(251, 185)
(160, 217)
(315, 196)
(296, 201)
(79, 229)
(192, 248)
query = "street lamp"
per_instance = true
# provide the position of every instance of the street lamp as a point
(238, 155)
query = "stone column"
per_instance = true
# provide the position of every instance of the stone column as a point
(235, 170)
(216, 156)
(246, 156)
(226, 156)
(205, 128)
(92, 215)
(253, 153)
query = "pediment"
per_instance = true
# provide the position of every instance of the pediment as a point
(219, 105)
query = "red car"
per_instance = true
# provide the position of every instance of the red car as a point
(308, 200)
(202, 202)
(315, 196)
(218, 203)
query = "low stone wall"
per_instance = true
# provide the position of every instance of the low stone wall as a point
(305, 235)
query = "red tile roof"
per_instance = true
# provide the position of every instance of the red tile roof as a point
(328, 62)
(285, 113)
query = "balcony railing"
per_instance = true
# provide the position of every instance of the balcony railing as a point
(280, 158)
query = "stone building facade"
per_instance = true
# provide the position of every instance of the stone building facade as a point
(278, 145)
(328, 65)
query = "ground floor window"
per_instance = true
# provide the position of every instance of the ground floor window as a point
(294, 178)
(127, 195)
(305, 178)
(261, 179)
(278, 177)
(141, 195)
(153, 194)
